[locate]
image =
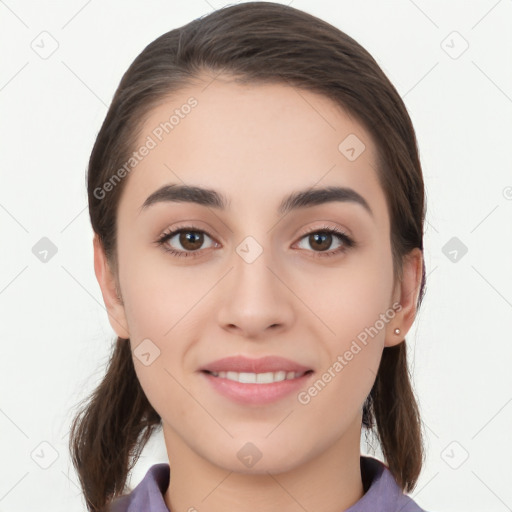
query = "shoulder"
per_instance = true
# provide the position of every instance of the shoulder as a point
(148, 495)
(383, 493)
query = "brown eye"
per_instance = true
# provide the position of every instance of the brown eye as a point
(185, 241)
(321, 241)
(191, 240)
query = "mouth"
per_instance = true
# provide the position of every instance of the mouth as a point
(258, 378)
(256, 382)
(257, 389)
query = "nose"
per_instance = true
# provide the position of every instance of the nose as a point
(255, 298)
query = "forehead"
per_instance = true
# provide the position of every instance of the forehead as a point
(255, 143)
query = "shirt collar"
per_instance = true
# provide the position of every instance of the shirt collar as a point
(382, 492)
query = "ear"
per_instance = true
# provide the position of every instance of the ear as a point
(108, 285)
(406, 295)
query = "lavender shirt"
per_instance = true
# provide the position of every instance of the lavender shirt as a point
(382, 492)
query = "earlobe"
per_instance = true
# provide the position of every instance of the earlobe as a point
(108, 286)
(406, 295)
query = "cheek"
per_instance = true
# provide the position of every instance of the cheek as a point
(351, 298)
(353, 340)
(352, 303)
(160, 309)
(159, 297)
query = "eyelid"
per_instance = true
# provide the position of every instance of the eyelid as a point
(326, 227)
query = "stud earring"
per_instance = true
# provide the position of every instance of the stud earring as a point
(397, 331)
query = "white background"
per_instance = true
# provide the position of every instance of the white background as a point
(55, 336)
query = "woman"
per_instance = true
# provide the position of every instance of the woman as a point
(258, 205)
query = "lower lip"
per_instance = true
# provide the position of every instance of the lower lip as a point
(256, 394)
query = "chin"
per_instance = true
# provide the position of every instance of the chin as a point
(258, 458)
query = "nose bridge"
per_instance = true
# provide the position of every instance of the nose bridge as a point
(251, 271)
(254, 298)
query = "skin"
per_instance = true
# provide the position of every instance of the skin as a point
(288, 302)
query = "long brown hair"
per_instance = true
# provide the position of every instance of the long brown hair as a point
(253, 42)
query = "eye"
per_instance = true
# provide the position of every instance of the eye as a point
(190, 239)
(321, 240)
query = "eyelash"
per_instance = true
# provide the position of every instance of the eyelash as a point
(342, 236)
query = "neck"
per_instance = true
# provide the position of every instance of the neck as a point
(329, 481)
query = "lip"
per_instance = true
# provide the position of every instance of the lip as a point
(256, 394)
(262, 365)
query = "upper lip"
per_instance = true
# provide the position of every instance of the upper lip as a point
(249, 365)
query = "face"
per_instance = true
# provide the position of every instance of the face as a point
(238, 275)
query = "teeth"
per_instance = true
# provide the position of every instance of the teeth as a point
(257, 378)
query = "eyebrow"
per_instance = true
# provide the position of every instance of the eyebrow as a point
(213, 199)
